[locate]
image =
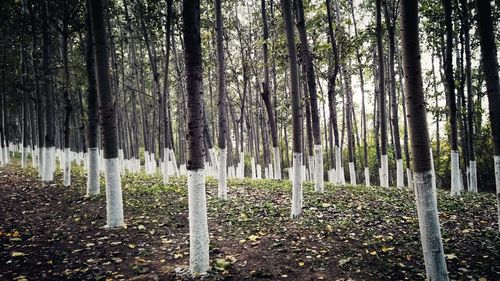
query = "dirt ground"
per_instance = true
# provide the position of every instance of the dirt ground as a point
(49, 232)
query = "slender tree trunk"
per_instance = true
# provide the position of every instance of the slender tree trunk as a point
(384, 177)
(390, 19)
(222, 104)
(332, 103)
(114, 203)
(490, 68)
(470, 100)
(93, 176)
(311, 83)
(198, 228)
(430, 233)
(67, 105)
(49, 139)
(266, 97)
(452, 106)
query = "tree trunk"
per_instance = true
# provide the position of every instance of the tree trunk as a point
(390, 19)
(332, 103)
(311, 83)
(452, 106)
(49, 139)
(470, 100)
(266, 97)
(67, 105)
(384, 177)
(222, 104)
(430, 233)
(490, 68)
(93, 176)
(296, 114)
(114, 203)
(198, 228)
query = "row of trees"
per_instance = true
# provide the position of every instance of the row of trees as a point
(126, 46)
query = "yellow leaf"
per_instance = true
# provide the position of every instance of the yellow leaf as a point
(387, 249)
(301, 263)
(253, 237)
(373, 253)
(15, 234)
(482, 279)
(329, 228)
(17, 254)
(451, 256)
(466, 230)
(325, 205)
(131, 246)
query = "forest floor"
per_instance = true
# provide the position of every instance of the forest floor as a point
(49, 232)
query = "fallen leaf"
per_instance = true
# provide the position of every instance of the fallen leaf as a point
(17, 254)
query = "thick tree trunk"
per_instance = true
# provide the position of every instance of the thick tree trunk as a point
(490, 67)
(114, 203)
(430, 233)
(296, 114)
(198, 227)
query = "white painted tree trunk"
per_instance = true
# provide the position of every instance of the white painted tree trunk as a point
(241, 167)
(198, 226)
(472, 176)
(297, 185)
(259, 171)
(146, 162)
(338, 164)
(311, 161)
(24, 158)
(222, 175)
(384, 176)
(6, 159)
(93, 172)
(352, 173)
(48, 165)
(496, 160)
(277, 163)
(67, 167)
(455, 174)
(266, 172)
(271, 171)
(433, 171)
(254, 169)
(114, 202)
(34, 157)
(213, 158)
(430, 233)
(400, 178)
(410, 180)
(461, 180)
(41, 155)
(164, 168)
(367, 176)
(174, 162)
(59, 154)
(319, 184)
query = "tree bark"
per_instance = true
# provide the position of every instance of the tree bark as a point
(114, 203)
(384, 177)
(198, 228)
(490, 68)
(430, 233)
(296, 114)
